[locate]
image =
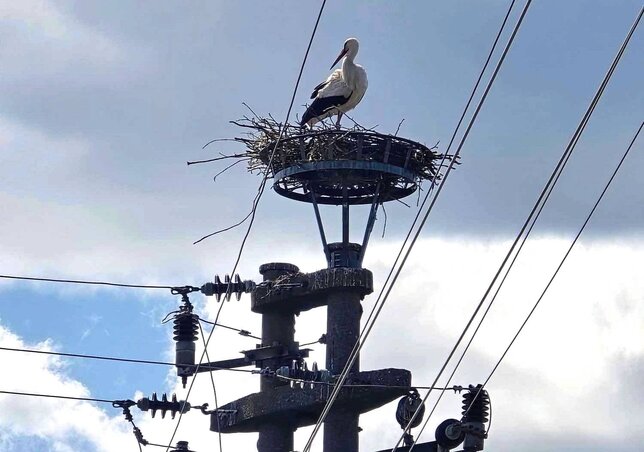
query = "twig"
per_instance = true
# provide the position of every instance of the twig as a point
(384, 226)
(217, 140)
(214, 179)
(398, 128)
(225, 229)
(402, 202)
(234, 156)
(251, 110)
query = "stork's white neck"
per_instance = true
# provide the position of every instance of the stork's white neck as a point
(349, 69)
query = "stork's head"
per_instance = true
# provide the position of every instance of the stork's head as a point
(350, 50)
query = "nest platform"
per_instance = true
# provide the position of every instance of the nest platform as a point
(338, 166)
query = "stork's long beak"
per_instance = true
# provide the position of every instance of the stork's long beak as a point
(343, 53)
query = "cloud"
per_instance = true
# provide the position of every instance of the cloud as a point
(579, 356)
(59, 423)
(563, 364)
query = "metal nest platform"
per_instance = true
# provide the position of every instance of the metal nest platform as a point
(338, 166)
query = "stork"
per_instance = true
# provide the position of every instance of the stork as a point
(341, 92)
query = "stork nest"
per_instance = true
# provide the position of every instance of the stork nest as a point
(326, 142)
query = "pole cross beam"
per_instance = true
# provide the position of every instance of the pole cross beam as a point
(301, 406)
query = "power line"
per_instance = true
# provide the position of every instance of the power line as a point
(321, 340)
(214, 387)
(563, 260)
(54, 396)
(478, 109)
(449, 146)
(547, 190)
(241, 332)
(114, 403)
(258, 197)
(112, 358)
(366, 331)
(77, 281)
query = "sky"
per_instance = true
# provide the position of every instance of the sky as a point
(102, 103)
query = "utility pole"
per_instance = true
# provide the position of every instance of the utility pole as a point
(344, 168)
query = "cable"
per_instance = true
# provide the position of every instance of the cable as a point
(214, 388)
(94, 283)
(465, 135)
(543, 198)
(114, 403)
(563, 260)
(53, 396)
(368, 328)
(241, 332)
(258, 196)
(311, 343)
(429, 192)
(449, 146)
(111, 358)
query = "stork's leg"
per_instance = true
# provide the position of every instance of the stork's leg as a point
(337, 124)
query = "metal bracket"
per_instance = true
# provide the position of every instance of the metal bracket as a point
(255, 357)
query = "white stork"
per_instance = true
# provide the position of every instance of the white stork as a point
(341, 92)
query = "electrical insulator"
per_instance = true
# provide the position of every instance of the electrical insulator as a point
(300, 371)
(227, 288)
(449, 434)
(186, 325)
(476, 411)
(182, 446)
(407, 406)
(164, 405)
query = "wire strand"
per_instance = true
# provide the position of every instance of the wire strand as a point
(55, 396)
(112, 358)
(545, 194)
(259, 195)
(214, 387)
(561, 263)
(78, 281)
(378, 308)
(241, 332)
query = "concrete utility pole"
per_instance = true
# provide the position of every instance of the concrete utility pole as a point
(279, 409)
(333, 167)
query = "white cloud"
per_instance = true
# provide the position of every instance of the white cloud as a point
(563, 364)
(60, 422)
(578, 355)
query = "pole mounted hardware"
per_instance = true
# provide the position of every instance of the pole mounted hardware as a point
(476, 412)
(186, 327)
(258, 357)
(451, 433)
(186, 323)
(227, 288)
(182, 446)
(218, 288)
(153, 404)
(407, 406)
(299, 370)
